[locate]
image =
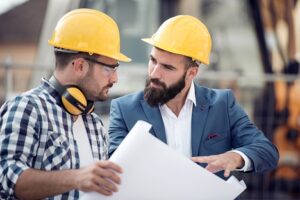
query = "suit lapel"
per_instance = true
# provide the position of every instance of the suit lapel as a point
(199, 116)
(154, 117)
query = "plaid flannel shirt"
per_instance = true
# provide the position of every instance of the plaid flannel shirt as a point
(36, 132)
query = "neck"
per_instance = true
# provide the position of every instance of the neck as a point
(74, 117)
(178, 101)
(63, 77)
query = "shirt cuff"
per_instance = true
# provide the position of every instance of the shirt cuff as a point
(247, 163)
(10, 178)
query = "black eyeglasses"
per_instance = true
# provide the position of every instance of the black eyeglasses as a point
(113, 68)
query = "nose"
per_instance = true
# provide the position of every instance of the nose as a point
(114, 77)
(154, 71)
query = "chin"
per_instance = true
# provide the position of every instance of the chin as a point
(103, 97)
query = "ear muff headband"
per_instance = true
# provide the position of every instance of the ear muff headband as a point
(72, 98)
(90, 107)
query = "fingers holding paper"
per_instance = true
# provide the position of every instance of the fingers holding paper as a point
(228, 162)
(102, 177)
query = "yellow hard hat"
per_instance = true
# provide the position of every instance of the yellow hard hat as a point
(90, 31)
(184, 35)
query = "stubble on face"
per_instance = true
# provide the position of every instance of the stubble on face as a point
(90, 88)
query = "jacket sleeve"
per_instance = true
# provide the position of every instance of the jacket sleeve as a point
(117, 127)
(247, 138)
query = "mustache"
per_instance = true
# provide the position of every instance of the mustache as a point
(109, 85)
(157, 82)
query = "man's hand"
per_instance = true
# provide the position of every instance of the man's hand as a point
(99, 177)
(228, 162)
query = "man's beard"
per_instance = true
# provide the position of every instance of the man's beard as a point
(101, 96)
(156, 96)
(86, 87)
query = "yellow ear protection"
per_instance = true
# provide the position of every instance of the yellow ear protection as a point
(72, 98)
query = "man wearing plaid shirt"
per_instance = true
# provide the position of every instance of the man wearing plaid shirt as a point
(52, 146)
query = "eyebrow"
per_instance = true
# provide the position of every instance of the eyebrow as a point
(163, 64)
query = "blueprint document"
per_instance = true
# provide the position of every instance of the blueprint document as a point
(152, 171)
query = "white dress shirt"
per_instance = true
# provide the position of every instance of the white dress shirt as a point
(178, 129)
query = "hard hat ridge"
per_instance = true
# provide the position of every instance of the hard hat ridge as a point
(90, 31)
(185, 35)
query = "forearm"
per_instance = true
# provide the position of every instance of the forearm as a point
(264, 156)
(37, 184)
(247, 138)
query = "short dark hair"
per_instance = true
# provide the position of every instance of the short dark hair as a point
(62, 59)
(189, 62)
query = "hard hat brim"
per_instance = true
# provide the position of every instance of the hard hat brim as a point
(119, 56)
(153, 43)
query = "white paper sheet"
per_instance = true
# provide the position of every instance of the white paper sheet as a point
(153, 171)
